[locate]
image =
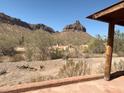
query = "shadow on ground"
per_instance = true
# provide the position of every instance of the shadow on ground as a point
(117, 74)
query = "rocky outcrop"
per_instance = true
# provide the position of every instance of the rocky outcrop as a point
(41, 26)
(76, 27)
(10, 20)
(14, 21)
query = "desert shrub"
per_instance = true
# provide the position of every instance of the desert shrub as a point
(74, 38)
(72, 68)
(85, 50)
(100, 68)
(87, 55)
(119, 43)
(118, 66)
(56, 53)
(8, 41)
(72, 52)
(29, 53)
(96, 45)
(8, 51)
(38, 45)
(17, 58)
(120, 53)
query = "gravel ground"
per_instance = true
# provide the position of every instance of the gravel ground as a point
(24, 72)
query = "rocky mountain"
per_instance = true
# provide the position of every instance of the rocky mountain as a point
(11, 23)
(73, 34)
(75, 27)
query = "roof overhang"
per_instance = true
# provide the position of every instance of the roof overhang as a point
(114, 13)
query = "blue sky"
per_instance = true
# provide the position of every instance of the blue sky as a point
(58, 13)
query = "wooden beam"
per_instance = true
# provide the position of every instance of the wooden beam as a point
(108, 10)
(109, 51)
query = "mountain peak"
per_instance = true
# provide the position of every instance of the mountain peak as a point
(75, 27)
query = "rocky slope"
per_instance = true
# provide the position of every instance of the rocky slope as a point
(8, 23)
(75, 27)
(73, 34)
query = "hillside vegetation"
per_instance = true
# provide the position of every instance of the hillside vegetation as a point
(41, 42)
(74, 38)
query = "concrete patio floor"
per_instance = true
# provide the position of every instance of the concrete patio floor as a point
(86, 86)
(95, 86)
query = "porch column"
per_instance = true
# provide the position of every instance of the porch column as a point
(109, 51)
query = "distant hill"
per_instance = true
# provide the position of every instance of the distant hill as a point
(8, 23)
(75, 38)
(73, 34)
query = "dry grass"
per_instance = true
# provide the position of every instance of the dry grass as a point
(42, 78)
(116, 66)
(72, 68)
(74, 38)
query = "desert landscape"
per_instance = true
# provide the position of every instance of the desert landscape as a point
(69, 56)
(36, 53)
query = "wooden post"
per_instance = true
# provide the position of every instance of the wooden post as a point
(109, 51)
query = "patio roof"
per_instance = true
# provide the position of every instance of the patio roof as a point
(114, 14)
